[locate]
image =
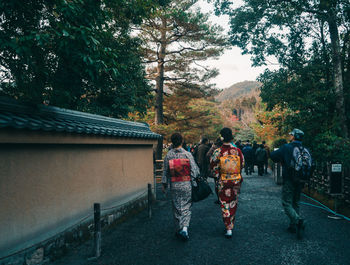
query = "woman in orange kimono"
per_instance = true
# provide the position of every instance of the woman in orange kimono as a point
(227, 163)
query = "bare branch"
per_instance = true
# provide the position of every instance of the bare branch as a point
(205, 68)
(186, 49)
(175, 78)
(151, 61)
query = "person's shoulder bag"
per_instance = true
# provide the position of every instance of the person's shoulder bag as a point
(201, 191)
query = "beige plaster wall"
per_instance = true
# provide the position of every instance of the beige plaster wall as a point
(45, 188)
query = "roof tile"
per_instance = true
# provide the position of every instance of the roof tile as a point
(47, 118)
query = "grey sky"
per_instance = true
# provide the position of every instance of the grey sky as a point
(233, 66)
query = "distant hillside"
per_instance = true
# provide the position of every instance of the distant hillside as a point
(238, 90)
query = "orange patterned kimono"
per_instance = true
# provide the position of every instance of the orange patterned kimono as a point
(227, 163)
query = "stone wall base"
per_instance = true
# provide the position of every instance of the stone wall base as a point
(55, 247)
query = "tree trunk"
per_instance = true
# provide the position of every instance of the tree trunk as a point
(160, 76)
(325, 55)
(337, 73)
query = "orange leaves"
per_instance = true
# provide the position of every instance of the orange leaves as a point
(271, 124)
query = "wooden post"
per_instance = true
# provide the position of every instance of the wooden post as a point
(97, 232)
(149, 200)
(155, 177)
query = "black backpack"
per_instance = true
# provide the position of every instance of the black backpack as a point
(261, 155)
(301, 164)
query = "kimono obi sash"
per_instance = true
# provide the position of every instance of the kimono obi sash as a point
(230, 168)
(180, 169)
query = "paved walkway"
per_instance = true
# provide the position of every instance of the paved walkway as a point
(259, 236)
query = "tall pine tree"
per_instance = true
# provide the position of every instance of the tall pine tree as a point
(177, 37)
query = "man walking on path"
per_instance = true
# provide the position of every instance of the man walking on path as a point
(180, 170)
(248, 158)
(261, 156)
(201, 159)
(291, 189)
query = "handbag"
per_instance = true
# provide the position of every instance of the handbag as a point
(202, 190)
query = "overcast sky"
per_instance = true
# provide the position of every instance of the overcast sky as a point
(233, 66)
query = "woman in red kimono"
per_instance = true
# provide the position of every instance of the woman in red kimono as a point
(227, 163)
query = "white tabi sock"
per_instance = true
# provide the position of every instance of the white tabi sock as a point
(184, 229)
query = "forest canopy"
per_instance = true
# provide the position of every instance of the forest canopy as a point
(76, 54)
(310, 41)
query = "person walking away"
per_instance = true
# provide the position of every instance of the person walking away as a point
(254, 148)
(203, 149)
(195, 151)
(185, 146)
(179, 172)
(261, 156)
(227, 163)
(296, 163)
(218, 143)
(239, 144)
(266, 164)
(248, 158)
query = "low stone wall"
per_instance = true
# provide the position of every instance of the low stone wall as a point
(55, 247)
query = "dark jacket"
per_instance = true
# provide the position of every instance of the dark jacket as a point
(248, 153)
(284, 155)
(261, 154)
(202, 151)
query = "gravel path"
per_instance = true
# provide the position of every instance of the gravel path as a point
(259, 237)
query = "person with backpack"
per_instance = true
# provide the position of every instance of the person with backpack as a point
(227, 163)
(179, 171)
(296, 169)
(261, 156)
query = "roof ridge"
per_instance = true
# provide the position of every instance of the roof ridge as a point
(30, 116)
(12, 105)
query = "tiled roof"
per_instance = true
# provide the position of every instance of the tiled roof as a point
(47, 118)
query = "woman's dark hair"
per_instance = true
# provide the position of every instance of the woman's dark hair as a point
(226, 133)
(176, 139)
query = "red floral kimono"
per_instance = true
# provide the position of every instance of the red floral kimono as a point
(227, 163)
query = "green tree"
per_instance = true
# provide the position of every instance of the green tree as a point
(244, 134)
(176, 38)
(195, 117)
(290, 31)
(77, 54)
(187, 112)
